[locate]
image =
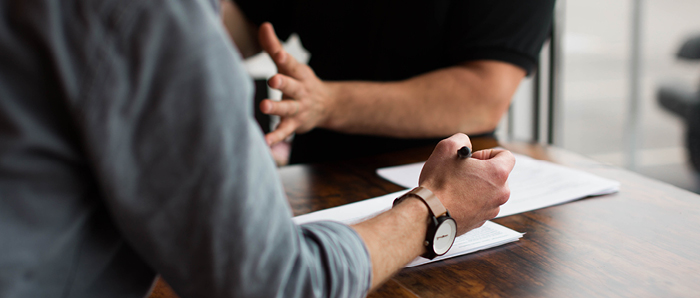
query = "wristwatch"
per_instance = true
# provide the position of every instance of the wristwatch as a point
(442, 229)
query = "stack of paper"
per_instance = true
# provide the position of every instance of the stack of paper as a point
(487, 236)
(534, 184)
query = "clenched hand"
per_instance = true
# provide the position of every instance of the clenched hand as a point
(471, 189)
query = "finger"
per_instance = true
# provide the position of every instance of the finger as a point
(498, 156)
(284, 130)
(268, 39)
(289, 86)
(271, 44)
(488, 153)
(499, 162)
(461, 140)
(284, 108)
(450, 145)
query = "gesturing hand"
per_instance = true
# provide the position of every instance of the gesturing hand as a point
(471, 189)
(305, 100)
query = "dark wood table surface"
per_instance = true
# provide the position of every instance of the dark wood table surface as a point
(641, 242)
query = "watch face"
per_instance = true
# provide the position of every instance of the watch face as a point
(444, 236)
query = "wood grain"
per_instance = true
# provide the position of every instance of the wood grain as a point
(640, 242)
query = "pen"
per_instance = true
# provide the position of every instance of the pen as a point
(464, 152)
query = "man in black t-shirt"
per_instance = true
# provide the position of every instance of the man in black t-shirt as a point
(387, 75)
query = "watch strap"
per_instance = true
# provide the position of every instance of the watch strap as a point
(430, 199)
(437, 214)
(435, 207)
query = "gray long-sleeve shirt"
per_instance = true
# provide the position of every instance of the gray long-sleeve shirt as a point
(128, 147)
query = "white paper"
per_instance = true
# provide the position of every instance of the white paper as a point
(534, 184)
(487, 236)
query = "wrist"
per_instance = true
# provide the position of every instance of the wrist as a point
(332, 119)
(416, 215)
(436, 192)
(415, 209)
(441, 227)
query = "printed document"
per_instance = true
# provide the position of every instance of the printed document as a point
(534, 184)
(489, 235)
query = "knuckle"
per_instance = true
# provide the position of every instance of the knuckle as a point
(273, 108)
(297, 71)
(311, 70)
(461, 139)
(289, 107)
(281, 56)
(453, 143)
(510, 161)
(504, 196)
(447, 144)
(500, 173)
(278, 109)
(494, 212)
(306, 71)
(302, 92)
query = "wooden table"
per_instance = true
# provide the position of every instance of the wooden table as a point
(641, 242)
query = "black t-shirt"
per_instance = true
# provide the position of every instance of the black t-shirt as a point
(394, 40)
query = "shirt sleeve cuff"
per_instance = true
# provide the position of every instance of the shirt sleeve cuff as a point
(347, 255)
(526, 62)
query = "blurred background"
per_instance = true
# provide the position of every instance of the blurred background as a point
(593, 102)
(596, 90)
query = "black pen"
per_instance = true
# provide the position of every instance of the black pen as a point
(464, 152)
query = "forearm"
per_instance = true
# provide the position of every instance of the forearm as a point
(468, 98)
(243, 32)
(394, 238)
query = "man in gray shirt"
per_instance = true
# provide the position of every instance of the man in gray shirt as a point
(128, 148)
